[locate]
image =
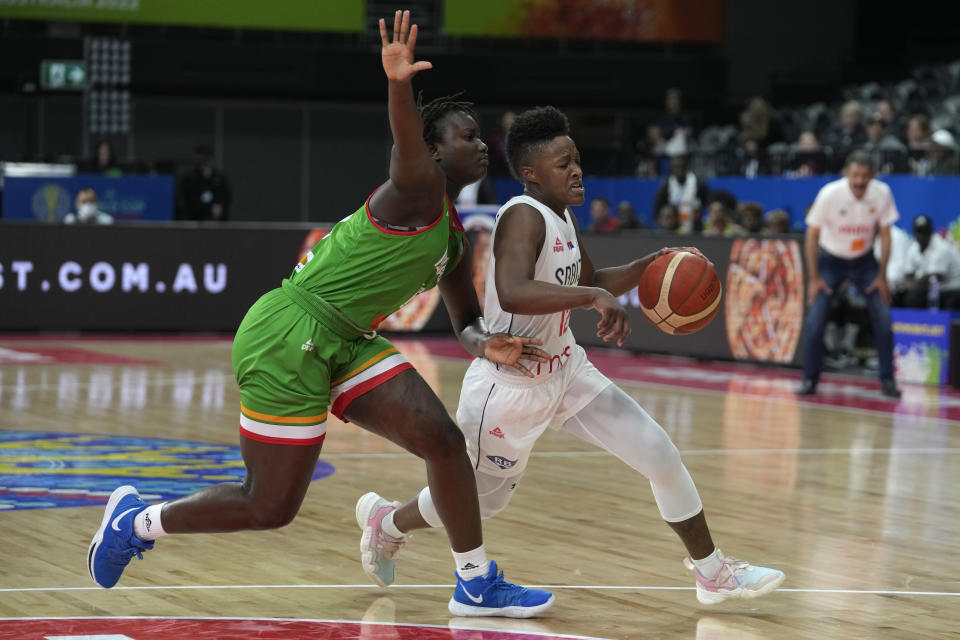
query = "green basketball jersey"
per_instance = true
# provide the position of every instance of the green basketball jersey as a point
(368, 270)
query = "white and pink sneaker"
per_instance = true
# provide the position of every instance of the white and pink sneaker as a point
(735, 579)
(377, 549)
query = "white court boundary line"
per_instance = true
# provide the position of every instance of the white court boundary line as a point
(544, 634)
(880, 592)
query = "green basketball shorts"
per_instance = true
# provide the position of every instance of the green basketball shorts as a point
(292, 368)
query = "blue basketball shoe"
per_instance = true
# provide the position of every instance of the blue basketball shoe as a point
(115, 543)
(494, 596)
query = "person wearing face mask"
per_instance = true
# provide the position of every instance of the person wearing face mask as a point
(88, 211)
(203, 192)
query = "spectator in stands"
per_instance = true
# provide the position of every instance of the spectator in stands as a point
(841, 225)
(682, 188)
(674, 120)
(720, 222)
(751, 216)
(651, 156)
(600, 219)
(919, 141)
(203, 192)
(758, 121)
(668, 219)
(918, 132)
(849, 133)
(929, 256)
(497, 143)
(752, 160)
(808, 158)
(776, 221)
(627, 216)
(942, 154)
(88, 210)
(886, 151)
(888, 113)
(104, 161)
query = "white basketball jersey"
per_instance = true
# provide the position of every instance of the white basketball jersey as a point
(558, 263)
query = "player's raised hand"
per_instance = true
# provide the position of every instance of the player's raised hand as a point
(397, 53)
(508, 350)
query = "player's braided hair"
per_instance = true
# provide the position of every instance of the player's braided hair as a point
(434, 111)
(533, 128)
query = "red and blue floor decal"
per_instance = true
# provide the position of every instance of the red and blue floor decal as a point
(249, 628)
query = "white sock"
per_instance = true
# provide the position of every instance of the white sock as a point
(389, 527)
(472, 564)
(709, 567)
(146, 524)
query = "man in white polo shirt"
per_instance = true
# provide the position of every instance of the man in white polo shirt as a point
(930, 256)
(841, 226)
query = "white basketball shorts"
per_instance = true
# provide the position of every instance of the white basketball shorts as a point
(503, 414)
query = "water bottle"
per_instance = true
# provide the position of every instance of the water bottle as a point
(933, 293)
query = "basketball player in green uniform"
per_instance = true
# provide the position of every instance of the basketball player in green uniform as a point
(311, 346)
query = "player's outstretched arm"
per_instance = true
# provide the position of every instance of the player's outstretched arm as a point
(460, 299)
(411, 167)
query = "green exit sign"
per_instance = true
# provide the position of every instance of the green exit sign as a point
(63, 75)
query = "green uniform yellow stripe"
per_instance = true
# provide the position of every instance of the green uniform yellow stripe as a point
(366, 365)
(256, 415)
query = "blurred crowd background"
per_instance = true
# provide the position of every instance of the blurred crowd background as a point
(279, 115)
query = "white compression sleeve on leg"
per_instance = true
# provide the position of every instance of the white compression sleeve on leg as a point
(614, 421)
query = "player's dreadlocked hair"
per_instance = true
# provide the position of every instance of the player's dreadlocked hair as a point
(533, 128)
(433, 112)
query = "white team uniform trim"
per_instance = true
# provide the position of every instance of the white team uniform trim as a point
(284, 431)
(383, 366)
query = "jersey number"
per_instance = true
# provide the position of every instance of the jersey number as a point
(564, 322)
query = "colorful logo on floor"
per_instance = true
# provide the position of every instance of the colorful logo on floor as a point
(45, 470)
(279, 628)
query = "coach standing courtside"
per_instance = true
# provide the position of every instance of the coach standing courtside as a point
(841, 226)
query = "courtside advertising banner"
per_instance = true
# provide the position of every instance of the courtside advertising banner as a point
(204, 277)
(761, 316)
(137, 277)
(303, 15)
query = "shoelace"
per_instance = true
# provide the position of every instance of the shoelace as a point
(390, 546)
(500, 584)
(733, 566)
(123, 555)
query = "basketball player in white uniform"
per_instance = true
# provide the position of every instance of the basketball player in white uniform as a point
(538, 273)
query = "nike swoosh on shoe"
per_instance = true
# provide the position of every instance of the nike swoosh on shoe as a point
(117, 519)
(475, 599)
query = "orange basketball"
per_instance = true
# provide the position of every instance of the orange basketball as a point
(680, 292)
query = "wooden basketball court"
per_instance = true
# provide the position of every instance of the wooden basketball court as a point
(855, 497)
